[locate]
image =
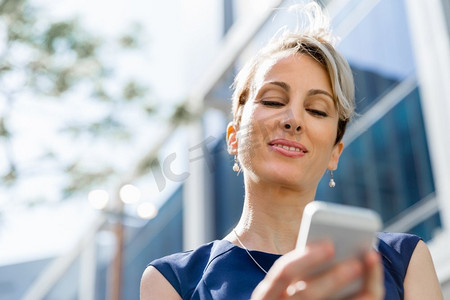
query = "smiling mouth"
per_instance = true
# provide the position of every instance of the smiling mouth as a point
(288, 148)
(288, 145)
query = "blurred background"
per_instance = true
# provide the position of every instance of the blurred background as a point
(113, 117)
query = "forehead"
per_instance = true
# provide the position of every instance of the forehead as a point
(297, 67)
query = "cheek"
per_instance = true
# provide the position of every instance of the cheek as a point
(249, 144)
(264, 121)
(249, 122)
(246, 130)
(251, 136)
(248, 138)
(323, 134)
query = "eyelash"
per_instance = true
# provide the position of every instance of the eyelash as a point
(271, 103)
(317, 112)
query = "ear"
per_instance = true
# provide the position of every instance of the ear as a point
(232, 139)
(335, 154)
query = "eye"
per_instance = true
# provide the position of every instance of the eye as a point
(271, 102)
(317, 112)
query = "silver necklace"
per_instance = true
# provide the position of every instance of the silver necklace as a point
(248, 252)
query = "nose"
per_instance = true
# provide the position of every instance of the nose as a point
(292, 118)
(289, 125)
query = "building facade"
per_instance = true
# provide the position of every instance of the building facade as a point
(394, 161)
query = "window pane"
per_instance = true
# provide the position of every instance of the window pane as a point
(387, 168)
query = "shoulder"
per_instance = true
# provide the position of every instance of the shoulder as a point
(421, 281)
(397, 249)
(155, 286)
(400, 242)
(397, 246)
(184, 270)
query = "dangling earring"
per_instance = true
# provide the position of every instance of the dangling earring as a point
(331, 183)
(236, 166)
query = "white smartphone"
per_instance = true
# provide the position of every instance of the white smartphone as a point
(351, 229)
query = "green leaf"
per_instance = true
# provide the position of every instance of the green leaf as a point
(133, 90)
(181, 114)
(3, 130)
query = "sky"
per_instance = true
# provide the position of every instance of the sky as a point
(48, 229)
(170, 63)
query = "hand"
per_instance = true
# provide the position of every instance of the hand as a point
(288, 278)
(373, 278)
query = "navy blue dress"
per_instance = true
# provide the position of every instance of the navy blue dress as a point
(222, 270)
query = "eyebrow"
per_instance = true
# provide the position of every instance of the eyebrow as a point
(319, 92)
(281, 84)
(312, 92)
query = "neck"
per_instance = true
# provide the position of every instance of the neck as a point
(271, 217)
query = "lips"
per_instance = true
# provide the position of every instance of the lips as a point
(288, 148)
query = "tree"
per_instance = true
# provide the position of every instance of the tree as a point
(50, 64)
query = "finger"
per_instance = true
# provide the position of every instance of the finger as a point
(332, 281)
(292, 267)
(373, 279)
(374, 285)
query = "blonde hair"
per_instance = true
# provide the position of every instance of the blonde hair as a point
(316, 41)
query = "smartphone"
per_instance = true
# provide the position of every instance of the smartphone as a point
(351, 229)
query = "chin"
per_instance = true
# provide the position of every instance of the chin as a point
(282, 177)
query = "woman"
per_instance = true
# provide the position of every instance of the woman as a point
(291, 105)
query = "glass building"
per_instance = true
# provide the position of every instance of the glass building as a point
(394, 161)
